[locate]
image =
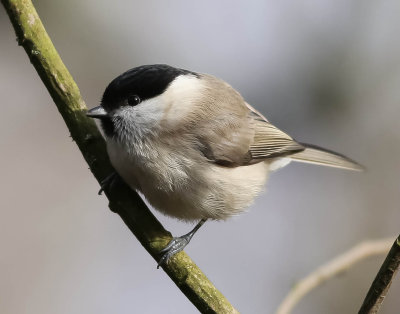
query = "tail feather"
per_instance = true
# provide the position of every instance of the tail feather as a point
(321, 156)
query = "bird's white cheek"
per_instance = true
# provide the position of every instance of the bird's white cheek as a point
(140, 120)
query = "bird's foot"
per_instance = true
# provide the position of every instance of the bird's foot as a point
(176, 245)
(108, 182)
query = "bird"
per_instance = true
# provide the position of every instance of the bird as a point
(193, 146)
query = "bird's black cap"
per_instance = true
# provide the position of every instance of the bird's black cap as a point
(146, 81)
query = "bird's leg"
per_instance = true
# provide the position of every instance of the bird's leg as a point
(177, 244)
(108, 182)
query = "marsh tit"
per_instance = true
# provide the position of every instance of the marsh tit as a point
(193, 146)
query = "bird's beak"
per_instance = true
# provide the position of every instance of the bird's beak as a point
(97, 112)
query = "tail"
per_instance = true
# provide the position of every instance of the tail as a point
(321, 156)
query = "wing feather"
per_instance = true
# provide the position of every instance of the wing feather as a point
(239, 135)
(270, 142)
(232, 133)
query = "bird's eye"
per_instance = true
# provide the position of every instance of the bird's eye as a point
(134, 100)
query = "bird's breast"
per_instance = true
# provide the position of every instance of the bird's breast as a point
(183, 184)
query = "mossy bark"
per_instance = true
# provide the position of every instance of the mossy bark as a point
(125, 202)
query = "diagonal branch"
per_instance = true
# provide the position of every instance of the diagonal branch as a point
(126, 203)
(381, 284)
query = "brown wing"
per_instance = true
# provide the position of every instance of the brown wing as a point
(232, 133)
(270, 142)
(235, 134)
(298, 151)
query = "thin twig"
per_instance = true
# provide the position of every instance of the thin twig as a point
(66, 95)
(381, 284)
(331, 269)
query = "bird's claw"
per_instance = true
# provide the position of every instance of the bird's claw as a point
(108, 182)
(176, 245)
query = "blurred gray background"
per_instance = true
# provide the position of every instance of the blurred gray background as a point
(327, 72)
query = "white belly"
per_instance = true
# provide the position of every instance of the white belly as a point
(189, 188)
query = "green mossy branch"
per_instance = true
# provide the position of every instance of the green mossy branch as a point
(65, 93)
